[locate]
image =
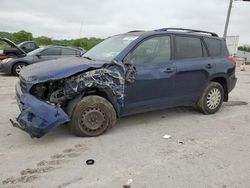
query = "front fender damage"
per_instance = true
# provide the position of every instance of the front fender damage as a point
(105, 78)
(47, 106)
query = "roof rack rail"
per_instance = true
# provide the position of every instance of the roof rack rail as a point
(188, 30)
(135, 31)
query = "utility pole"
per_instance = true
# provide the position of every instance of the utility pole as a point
(228, 18)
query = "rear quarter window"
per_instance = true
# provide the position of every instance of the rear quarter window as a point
(68, 51)
(214, 46)
(188, 47)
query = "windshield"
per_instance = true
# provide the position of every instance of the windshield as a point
(35, 51)
(109, 48)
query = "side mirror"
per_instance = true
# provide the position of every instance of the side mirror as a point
(131, 73)
(38, 55)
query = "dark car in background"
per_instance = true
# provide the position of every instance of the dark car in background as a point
(8, 44)
(13, 65)
(130, 73)
(26, 46)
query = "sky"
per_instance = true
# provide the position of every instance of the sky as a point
(67, 19)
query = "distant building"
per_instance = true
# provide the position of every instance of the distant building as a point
(245, 55)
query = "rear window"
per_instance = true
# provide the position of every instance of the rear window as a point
(188, 47)
(214, 46)
(67, 51)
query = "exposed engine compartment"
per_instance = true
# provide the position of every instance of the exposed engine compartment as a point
(60, 91)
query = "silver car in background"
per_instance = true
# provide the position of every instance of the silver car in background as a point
(13, 65)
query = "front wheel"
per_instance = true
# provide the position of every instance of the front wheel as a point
(212, 98)
(92, 116)
(18, 67)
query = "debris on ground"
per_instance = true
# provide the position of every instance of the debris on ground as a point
(128, 184)
(90, 162)
(166, 136)
(180, 142)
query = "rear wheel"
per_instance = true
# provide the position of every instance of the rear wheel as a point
(92, 116)
(212, 98)
(18, 67)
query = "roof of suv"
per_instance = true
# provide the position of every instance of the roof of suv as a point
(175, 31)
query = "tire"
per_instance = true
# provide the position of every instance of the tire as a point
(92, 116)
(211, 99)
(18, 67)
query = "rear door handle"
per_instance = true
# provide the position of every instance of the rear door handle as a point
(169, 70)
(209, 66)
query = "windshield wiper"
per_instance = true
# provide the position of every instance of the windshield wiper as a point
(89, 58)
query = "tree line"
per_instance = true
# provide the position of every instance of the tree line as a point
(85, 43)
(245, 48)
(22, 35)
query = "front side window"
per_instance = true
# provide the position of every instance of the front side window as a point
(51, 51)
(153, 50)
(110, 48)
(188, 47)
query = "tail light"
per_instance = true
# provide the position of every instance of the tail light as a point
(232, 59)
(3, 57)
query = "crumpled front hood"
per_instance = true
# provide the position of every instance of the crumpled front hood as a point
(57, 69)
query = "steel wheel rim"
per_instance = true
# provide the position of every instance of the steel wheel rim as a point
(213, 98)
(93, 119)
(19, 68)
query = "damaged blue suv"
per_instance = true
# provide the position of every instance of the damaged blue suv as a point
(125, 74)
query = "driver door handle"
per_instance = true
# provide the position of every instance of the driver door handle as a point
(169, 70)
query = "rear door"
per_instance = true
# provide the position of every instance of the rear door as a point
(153, 87)
(193, 68)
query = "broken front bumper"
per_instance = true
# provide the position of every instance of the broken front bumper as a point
(37, 117)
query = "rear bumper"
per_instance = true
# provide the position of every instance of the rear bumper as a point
(37, 117)
(4, 67)
(232, 82)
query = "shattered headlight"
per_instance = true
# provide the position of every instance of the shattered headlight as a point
(38, 90)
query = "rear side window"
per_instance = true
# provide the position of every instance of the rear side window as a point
(214, 46)
(51, 51)
(67, 51)
(188, 47)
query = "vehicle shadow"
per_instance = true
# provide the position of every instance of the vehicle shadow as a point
(142, 119)
(63, 131)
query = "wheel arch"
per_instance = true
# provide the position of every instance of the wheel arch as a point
(221, 79)
(13, 65)
(102, 92)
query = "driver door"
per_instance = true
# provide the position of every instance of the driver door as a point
(154, 85)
